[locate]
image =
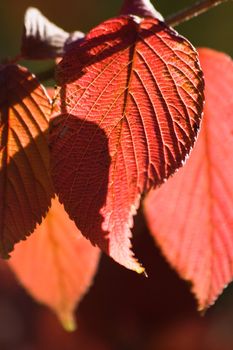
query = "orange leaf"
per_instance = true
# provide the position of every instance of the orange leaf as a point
(56, 264)
(191, 217)
(131, 103)
(25, 184)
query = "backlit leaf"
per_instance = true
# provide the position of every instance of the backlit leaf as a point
(131, 104)
(56, 264)
(191, 217)
(25, 185)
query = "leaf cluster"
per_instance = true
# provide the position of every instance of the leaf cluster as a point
(123, 119)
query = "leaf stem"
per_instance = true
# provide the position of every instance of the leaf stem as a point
(192, 11)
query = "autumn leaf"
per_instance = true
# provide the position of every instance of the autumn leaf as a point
(56, 264)
(42, 39)
(132, 100)
(191, 216)
(140, 8)
(25, 185)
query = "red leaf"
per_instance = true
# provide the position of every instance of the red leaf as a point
(25, 184)
(191, 217)
(56, 264)
(131, 106)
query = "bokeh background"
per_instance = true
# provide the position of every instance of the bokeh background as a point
(122, 311)
(212, 29)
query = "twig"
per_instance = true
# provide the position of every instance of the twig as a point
(192, 11)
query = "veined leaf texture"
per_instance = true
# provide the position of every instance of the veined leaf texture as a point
(131, 104)
(56, 264)
(191, 217)
(25, 185)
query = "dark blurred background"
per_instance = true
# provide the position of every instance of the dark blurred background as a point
(212, 29)
(122, 311)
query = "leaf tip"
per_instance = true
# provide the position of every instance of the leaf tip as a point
(141, 270)
(5, 248)
(68, 322)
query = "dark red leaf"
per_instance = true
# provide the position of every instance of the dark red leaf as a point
(191, 217)
(25, 185)
(42, 39)
(131, 104)
(141, 8)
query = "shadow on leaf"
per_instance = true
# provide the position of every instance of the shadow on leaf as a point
(25, 184)
(80, 152)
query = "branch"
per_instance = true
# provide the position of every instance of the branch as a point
(192, 11)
